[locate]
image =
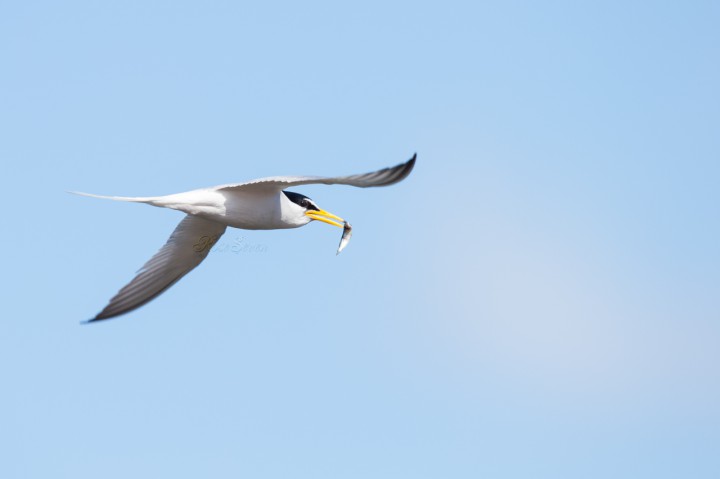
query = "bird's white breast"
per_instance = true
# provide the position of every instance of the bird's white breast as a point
(252, 209)
(262, 210)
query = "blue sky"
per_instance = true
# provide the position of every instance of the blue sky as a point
(538, 299)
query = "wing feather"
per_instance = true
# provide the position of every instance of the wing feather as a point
(384, 177)
(187, 246)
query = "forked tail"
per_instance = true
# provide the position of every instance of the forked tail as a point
(133, 199)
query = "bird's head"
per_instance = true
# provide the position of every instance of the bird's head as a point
(310, 211)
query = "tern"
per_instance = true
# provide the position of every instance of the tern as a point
(261, 204)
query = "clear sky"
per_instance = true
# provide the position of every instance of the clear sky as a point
(539, 299)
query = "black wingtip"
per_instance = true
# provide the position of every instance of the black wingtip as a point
(411, 163)
(92, 320)
(409, 166)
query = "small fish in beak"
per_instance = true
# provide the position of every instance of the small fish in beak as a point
(347, 233)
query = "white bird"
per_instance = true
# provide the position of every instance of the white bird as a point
(261, 204)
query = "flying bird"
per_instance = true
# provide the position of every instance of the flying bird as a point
(262, 204)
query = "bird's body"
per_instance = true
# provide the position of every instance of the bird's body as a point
(261, 204)
(262, 209)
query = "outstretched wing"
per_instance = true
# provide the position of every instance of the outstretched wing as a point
(384, 177)
(187, 246)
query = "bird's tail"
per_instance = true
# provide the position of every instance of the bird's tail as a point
(133, 199)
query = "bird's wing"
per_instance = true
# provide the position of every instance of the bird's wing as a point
(384, 177)
(187, 246)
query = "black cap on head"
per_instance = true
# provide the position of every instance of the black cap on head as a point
(301, 200)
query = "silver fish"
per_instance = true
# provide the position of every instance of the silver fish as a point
(347, 233)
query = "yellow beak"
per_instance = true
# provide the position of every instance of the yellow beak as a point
(322, 215)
